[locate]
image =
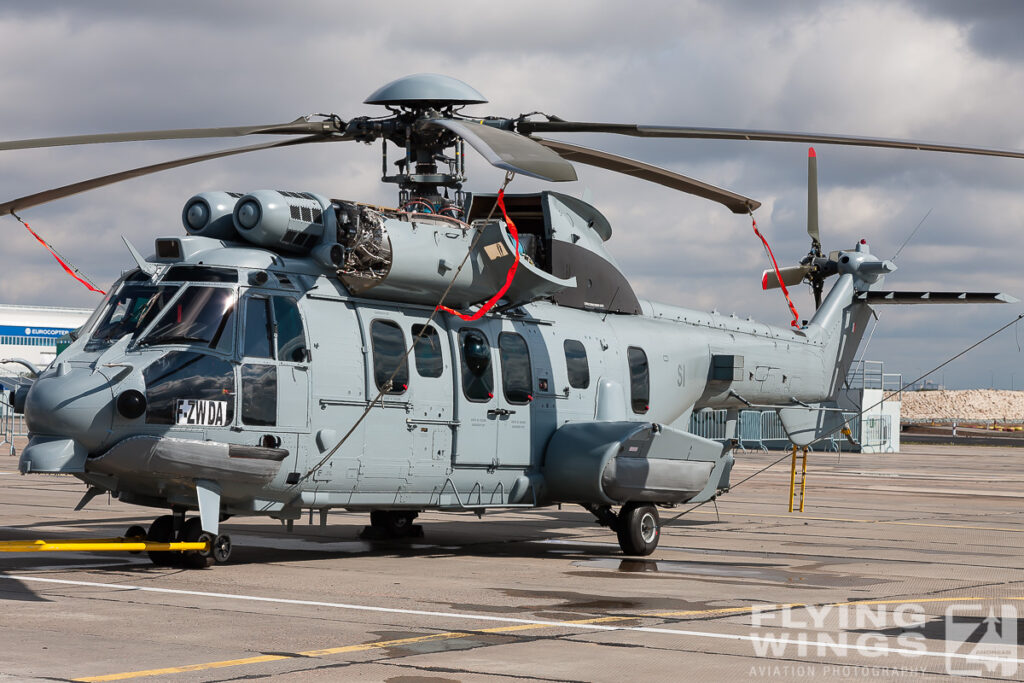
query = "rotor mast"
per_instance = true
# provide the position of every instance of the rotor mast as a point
(425, 167)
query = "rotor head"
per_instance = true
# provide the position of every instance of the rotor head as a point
(422, 91)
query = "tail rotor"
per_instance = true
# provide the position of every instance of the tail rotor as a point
(814, 267)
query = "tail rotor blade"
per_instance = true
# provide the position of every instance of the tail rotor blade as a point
(812, 200)
(791, 276)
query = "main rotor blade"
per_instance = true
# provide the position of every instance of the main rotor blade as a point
(531, 127)
(734, 202)
(507, 150)
(299, 126)
(812, 200)
(38, 198)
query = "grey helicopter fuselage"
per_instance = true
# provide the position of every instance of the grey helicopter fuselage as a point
(291, 351)
(235, 368)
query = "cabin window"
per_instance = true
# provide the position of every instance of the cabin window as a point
(291, 342)
(639, 380)
(258, 339)
(259, 395)
(427, 349)
(389, 361)
(576, 364)
(182, 384)
(201, 315)
(477, 375)
(516, 374)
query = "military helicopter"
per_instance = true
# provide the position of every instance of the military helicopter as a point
(290, 352)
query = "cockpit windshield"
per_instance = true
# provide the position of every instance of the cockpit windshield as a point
(134, 307)
(202, 315)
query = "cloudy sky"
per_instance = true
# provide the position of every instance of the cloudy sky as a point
(931, 70)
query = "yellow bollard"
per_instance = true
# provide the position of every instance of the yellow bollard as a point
(792, 479)
(803, 480)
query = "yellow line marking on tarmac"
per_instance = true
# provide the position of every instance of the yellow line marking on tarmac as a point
(361, 647)
(797, 516)
(725, 610)
(186, 668)
(452, 635)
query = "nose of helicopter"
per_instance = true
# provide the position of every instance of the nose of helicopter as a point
(69, 412)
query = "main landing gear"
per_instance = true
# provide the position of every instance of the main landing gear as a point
(175, 528)
(637, 525)
(390, 524)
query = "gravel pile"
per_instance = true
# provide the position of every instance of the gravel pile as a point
(970, 404)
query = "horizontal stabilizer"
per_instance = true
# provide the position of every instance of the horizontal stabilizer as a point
(884, 297)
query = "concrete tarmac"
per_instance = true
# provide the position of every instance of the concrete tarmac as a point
(902, 566)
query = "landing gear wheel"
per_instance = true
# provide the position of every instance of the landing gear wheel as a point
(135, 533)
(221, 548)
(193, 532)
(392, 524)
(400, 522)
(638, 528)
(162, 531)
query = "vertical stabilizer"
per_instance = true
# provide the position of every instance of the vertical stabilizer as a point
(839, 325)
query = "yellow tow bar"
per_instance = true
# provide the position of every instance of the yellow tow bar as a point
(97, 544)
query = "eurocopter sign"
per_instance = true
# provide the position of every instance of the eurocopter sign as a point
(35, 332)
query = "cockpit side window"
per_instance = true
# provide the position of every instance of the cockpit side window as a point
(258, 339)
(259, 394)
(291, 342)
(202, 315)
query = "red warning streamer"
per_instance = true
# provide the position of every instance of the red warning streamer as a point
(60, 260)
(489, 304)
(795, 322)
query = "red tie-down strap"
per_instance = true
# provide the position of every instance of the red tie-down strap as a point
(795, 322)
(63, 265)
(489, 304)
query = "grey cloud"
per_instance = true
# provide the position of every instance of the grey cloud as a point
(74, 68)
(993, 26)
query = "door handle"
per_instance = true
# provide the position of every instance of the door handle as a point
(500, 411)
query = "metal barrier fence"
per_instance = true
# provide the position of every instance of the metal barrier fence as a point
(877, 431)
(6, 424)
(763, 430)
(709, 424)
(750, 430)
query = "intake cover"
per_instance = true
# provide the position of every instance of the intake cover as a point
(208, 214)
(285, 221)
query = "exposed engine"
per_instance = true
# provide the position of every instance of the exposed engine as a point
(367, 260)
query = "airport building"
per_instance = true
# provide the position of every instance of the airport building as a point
(30, 333)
